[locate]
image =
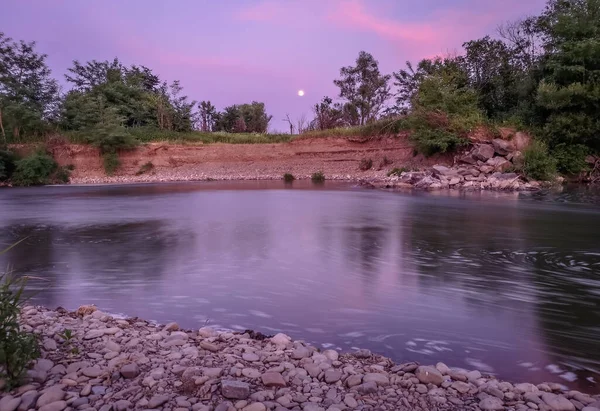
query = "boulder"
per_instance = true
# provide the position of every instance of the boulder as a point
(557, 402)
(491, 404)
(468, 159)
(503, 147)
(483, 152)
(377, 378)
(499, 163)
(504, 176)
(521, 141)
(443, 171)
(429, 375)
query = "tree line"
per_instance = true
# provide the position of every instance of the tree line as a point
(541, 72)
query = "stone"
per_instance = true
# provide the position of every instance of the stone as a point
(590, 409)
(443, 171)
(208, 346)
(130, 371)
(122, 405)
(499, 163)
(350, 401)
(44, 365)
(557, 402)
(332, 376)
(331, 355)
(300, 353)
(235, 390)
(92, 372)
(354, 380)
(50, 345)
(53, 394)
(99, 390)
(92, 334)
(171, 327)
(28, 400)
(250, 357)
(377, 378)
(442, 368)
(473, 375)
(468, 159)
(521, 141)
(54, 406)
(525, 387)
(9, 403)
(281, 339)
(429, 375)
(273, 379)
(421, 388)
(461, 387)
(313, 369)
(503, 147)
(257, 406)
(157, 401)
(251, 373)
(486, 169)
(483, 152)
(491, 404)
(367, 388)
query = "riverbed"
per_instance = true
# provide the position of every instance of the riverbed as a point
(508, 284)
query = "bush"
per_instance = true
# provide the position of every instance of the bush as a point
(570, 159)
(111, 163)
(365, 164)
(145, 168)
(385, 162)
(17, 348)
(7, 164)
(318, 177)
(62, 175)
(288, 178)
(431, 141)
(537, 163)
(36, 169)
(397, 171)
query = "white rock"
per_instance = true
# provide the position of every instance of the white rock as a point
(281, 339)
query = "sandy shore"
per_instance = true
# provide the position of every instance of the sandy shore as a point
(120, 364)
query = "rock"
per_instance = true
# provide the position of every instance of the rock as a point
(209, 372)
(300, 353)
(421, 388)
(54, 406)
(313, 369)
(461, 387)
(251, 373)
(503, 147)
(525, 387)
(331, 355)
(499, 163)
(353, 380)
(92, 334)
(122, 405)
(49, 345)
(468, 159)
(281, 339)
(483, 152)
(332, 376)
(429, 375)
(491, 404)
(442, 368)
(28, 400)
(473, 375)
(53, 394)
(157, 400)
(92, 372)
(505, 176)
(130, 371)
(557, 402)
(235, 390)
(590, 409)
(9, 403)
(367, 388)
(257, 406)
(377, 378)
(273, 379)
(250, 357)
(443, 171)
(363, 353)
(486, 169)
(350, 401)
(43, 365)
(170, 327)
(208, 346)
(521, 141)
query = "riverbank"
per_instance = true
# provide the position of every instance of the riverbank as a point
(119, 364)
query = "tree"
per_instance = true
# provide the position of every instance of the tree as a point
(28, 95)
(208, 115)
(327, 115)
(364, 88)
(254, 116)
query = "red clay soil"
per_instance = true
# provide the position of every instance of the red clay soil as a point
(337, 158)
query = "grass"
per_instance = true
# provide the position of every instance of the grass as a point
(318, 177)
(397, 171)
(377, 128)
(145, 168)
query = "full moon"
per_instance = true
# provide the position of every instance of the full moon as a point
(300, 93)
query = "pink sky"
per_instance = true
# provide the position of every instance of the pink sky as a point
(236, 51)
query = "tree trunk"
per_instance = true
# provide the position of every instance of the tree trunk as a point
(2, 127)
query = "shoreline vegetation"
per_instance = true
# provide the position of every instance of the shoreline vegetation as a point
(538, 75)
(93, 361)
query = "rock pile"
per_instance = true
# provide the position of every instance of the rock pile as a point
(485, 166)
(122, 364)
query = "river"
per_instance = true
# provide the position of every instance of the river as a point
(505, 283)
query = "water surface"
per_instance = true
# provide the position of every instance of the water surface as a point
(507, 284)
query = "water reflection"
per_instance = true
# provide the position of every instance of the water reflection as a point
(498, 283)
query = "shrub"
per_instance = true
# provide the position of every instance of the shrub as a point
(288, 178)
(7, 164)
(111, 163)
(385, 162)
(537, 163)
(318, 177)
(62, 175)
(570, 159)
(17, 348)
(145, 168)
(397, 171)
(431, 141)
(365, 164)
(36, 169)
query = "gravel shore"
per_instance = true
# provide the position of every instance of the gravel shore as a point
(121, 364)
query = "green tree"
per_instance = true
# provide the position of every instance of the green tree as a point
(364, 88)
(28, 95)
(208, 115)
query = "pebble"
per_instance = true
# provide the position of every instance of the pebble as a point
(130, 371)
(273, 379)
(250, 356)
(9, 403)
(491, 404)
(157, 401)
(52, 395)
(235, 390)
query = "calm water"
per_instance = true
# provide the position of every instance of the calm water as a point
(503, 283)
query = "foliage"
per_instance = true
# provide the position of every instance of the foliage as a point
(250, 118)
(145, 168)
(365, 164)
(35, 169)
(145, 135)
(111, 162)
(288, 178)
(62, 175)
(570, 159)
(7, 164)
(68, 338)
(318, 177)
(537, 163)
(364, 88)
(17, 348)
(397, 171)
